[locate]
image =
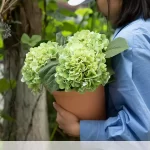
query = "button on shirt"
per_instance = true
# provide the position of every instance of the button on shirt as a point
(128, 97)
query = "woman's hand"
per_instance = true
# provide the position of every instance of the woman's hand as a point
(68, 122)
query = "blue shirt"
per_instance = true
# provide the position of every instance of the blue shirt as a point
(128, 102)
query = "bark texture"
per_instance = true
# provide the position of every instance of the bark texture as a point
(28, 110)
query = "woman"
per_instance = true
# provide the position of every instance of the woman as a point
(128, 98)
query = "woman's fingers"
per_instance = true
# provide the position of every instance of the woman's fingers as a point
(59, 119)
(65, 114)
(67, 121)
(60, 110)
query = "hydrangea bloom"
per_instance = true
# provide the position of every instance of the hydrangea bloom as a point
(82, 62)
(35, 60)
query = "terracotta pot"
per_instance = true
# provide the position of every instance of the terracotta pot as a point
(87, 106)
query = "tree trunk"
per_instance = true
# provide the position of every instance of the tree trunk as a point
(28, 110)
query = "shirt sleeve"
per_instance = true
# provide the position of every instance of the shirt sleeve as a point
(130, 94)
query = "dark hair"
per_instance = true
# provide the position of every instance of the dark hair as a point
(132, 9)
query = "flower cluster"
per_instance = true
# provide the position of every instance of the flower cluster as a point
(37, 58)
(82, 64)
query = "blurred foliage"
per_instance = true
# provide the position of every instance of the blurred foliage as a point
(1, 48)
(57, 19)
(25, 39)
(1, 41)
(5, 85)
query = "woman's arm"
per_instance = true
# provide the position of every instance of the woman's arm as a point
(130, 94)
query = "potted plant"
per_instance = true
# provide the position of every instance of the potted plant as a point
(75, 72)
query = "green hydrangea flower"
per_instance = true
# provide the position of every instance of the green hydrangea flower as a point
(35, 60)
(82, 62)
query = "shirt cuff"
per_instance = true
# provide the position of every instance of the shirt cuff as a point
(92, 131)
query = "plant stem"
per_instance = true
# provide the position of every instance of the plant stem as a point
(11, 4)
(53, 133)
(80, 24)
(2, 6)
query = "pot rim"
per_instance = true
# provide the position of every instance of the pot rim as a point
(75, 92)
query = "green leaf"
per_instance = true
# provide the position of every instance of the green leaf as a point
(6, 117)
(66, 33)
(69, 26)
(115, 47)
(51, 32)
(60, 39)
(31, 44)
(67, 12)
(41, 4)
(47, 76)
(42, 41)
(1, 42)
(83, 11)
(52, 84)
(58, 16)
(57, 24)
(36, 38)
(25, 39)
(1, 57)
(105, 27)
(5, 85)
(52, 6)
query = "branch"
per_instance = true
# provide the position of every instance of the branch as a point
(32, 116)
(2, 6)
(10, 5)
